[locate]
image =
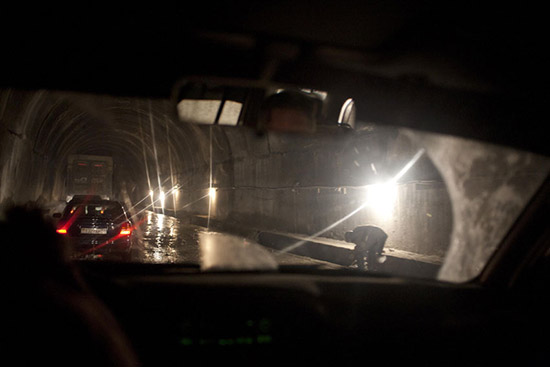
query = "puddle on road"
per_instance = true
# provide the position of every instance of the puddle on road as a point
(165, 240)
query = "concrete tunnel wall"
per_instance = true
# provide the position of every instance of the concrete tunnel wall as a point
(39, 130)
(323, 178)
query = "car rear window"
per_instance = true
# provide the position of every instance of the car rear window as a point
(107, 210)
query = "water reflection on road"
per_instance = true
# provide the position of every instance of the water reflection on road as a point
(164, 239)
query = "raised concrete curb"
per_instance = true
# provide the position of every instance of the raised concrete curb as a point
(399, 263)
(341, 255)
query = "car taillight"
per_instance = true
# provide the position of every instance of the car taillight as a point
(61, 231)
(126, 229)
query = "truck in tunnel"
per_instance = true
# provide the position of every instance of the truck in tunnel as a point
(89, 175)
(243, 140)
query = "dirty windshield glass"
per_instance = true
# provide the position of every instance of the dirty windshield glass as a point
(350, 196)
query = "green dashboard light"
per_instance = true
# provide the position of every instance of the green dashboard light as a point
(264, 339)
(186, 341)
(226, 341)
(245, 341)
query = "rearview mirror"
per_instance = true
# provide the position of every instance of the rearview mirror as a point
(262, 105)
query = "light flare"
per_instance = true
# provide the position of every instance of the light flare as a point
(381, 198)
(162, 197)
(387, 192)
(212, 193)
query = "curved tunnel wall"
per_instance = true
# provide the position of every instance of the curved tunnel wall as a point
(323, 179)
(41, 129)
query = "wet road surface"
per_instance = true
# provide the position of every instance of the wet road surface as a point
(165, 239)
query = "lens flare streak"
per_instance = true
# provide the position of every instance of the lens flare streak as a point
(387, 188)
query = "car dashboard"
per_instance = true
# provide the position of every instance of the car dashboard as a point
(173, 315)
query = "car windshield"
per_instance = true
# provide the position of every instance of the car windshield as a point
(229, 198)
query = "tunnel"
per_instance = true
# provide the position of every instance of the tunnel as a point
(46, 127)
(234, 178)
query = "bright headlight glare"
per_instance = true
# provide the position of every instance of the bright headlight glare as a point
(381, 198)
(212, 193)
(161, 197)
